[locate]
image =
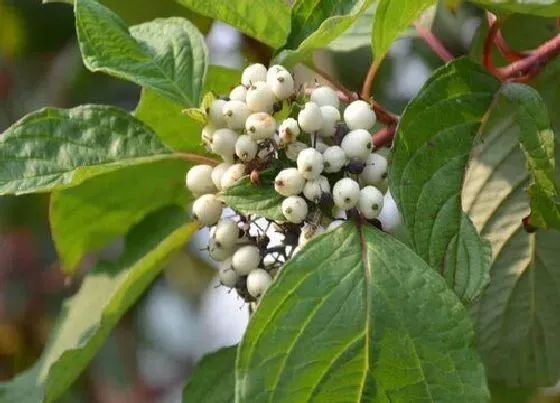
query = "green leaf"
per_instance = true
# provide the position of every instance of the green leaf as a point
(262, 199)
(221, 80)
(357, 316)
(167, 55)
(316, 24)
(43, 150)
(88, 216)
(107, 292)
(265, 20)
(433, 141)
(501, 393)
(213, 380)
(545, 8)
(391, 19)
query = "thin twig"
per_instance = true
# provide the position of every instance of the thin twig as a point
(507, 52)
(384, 137)
(487, 49)
(368, 82)
(433, 42)
(197, 158)
(383, 115)
(337, 84)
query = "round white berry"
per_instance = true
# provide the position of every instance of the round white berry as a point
(246, 148)
(236, 113)
(357, 144)
(288, 131)
(246, 259)
(334, 158)
(223, 142)
(359, 115)
(226, 233)
(217, 252)
(315, 188)
(289, 182)
(335, 224)
(375, 170)
(226, 274)
(271, 73)
(389, 217)
(257, 282)
(310, 118)
(207, 209)
(215, 114)
(232, 175)
(207, 133)
(217, 174)
(293, 150)
(282, 85)
(330, 116)
(260, 126)
(260, 97)
(239, 93)
(310, 163)
(294, 209)
(324, 96)
(308, 233)
(199, 180)
(253, 73)
(371, 202)
(346, 193)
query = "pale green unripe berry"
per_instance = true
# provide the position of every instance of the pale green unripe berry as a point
(375, 170)
(207, 209)
(289, 182)
(223, 142)
(206, 135)
(227, 275)
(288, 131)
(294, 209)
(217, 174)
(334, 158)
(359, 115)
(236, 113)
(246, 148)
(324, 96)
(226, 233)
(346, 193)
(371, 202)
(260, 126)
(293, 150)
(218, 252)
(310, 163)
(315, 188)
(199, 180)
(271, 73)
(239, 93)
(246, 259)
(308, 233)
(253, 73)
(330, 116)
(257, 282)
(282, 85)
(215, 113)
(232, 175)
(260, 97)
(357, 144)
(310, 118)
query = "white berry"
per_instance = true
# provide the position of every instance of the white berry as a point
(253, 73)
(260, 126)
(310, 163)
(371, 202)
(257, 282)
(199, 180)
(359, 115)
(232, 175)
(389, 217)
(330, 116)
(260, 97)
(293, 150)
(223, 142)
(375, 170)
(226, 274)
(282, 85)
(346, 193)
(246, 148)
(271, 73)
(236, 113)
(335, 224)
(315, 188)
(289, 182)
(215, 114)
(357, 144)
(217, 174)
(239, 93)
(324, 96)
(294, 209)
(310, 118)
(218, 252)
(246, 259)
(288, 131)
(207, 133)
(320, 146)
(308, 233)
(226, 233)
(207, 209)
(334, 158)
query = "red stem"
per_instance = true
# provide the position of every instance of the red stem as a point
(368, 82)
(384, 137)
(433, 42)
(487, 49)
(507, 52)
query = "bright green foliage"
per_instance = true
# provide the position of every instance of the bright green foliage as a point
(166, 55)
(43, 150)
(433, 142)
(221, 80)
(107, 292)
(546, 8)
(357, 316)
(214, 378)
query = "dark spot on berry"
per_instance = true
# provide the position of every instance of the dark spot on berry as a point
(218, 244)
(384, 175)
(280, 79)
(375, 206)
(308, 168)
(229, 113)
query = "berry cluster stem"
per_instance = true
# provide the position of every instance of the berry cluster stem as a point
(503, 47)
(368, 82)
(198, 159)
(384, 137)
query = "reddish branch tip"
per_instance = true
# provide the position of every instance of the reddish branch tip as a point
(433, 42)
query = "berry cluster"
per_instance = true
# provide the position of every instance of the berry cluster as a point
(324, 165)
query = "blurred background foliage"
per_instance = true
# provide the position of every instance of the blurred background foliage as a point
(184, 315)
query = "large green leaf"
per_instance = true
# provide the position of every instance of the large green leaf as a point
(107, 292)
(43, 150)
(167, 55)
(546, 8)
(316, 24)
(265, 20)
(357, 316)
(213, 380)
(433, 141)
(221, 80)
(86, 217)
(391, 19)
